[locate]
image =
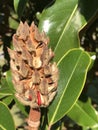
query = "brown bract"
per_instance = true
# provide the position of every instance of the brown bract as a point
(34, 76)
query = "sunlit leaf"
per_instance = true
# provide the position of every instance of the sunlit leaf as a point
(84, 114)
(62, 22)
(62, 26)
(73, 70)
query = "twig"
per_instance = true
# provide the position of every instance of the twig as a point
(34, 119)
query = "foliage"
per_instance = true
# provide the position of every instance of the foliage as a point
(72, 28)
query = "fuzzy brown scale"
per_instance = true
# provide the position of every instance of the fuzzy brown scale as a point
(34, 77)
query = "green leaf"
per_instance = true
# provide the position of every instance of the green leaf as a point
(61, 22)
(88, 8)
(6, 85)
(4, 89)
(16, 2)
(7, 99)
(6, 120)
(13, 23)
(19, 6)
(73, 69)
(9, 81)
(93, 58)
(84, 114)
(95, 128)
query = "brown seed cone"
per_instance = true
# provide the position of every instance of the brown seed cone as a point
(34, 77)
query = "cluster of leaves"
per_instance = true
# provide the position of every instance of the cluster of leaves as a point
(61, 21)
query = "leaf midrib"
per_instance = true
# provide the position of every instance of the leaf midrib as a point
(2, 127)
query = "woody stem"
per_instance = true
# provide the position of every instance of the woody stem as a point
(34, 119)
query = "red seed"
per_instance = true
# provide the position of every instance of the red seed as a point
(39, 98)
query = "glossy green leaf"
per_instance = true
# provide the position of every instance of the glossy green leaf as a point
(62, 22)
(19, 6)
(6, 120)
(73, 70)
(84, 114)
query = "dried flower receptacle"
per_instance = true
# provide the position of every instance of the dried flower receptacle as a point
(34, 76)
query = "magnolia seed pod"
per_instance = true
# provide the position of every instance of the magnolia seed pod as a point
(35, 78)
